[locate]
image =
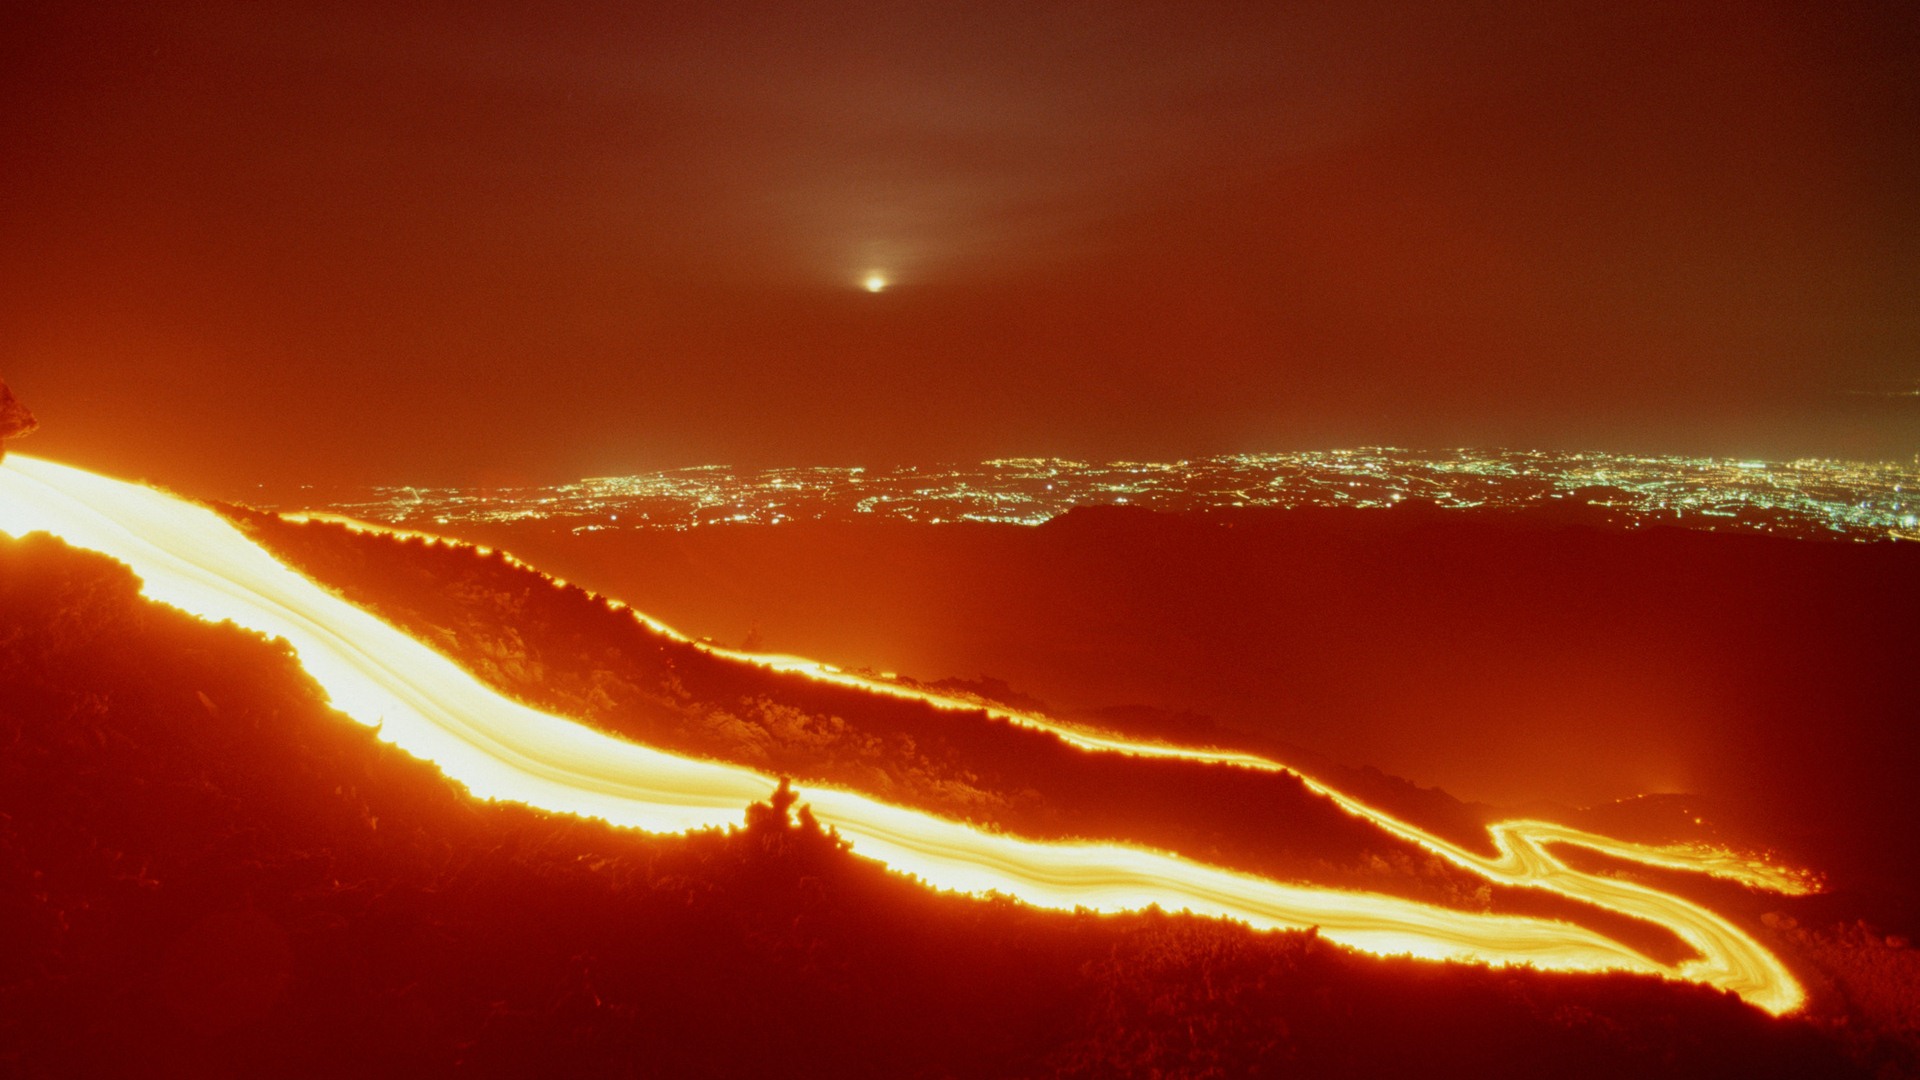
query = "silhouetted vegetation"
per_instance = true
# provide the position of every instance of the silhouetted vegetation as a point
(205, 872)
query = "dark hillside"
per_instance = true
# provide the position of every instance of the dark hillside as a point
(559, 648)
(1506, 658)
(204, 872)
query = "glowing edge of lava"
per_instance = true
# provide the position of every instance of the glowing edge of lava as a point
(190, 558)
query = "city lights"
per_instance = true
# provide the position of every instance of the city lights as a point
(1806, 498)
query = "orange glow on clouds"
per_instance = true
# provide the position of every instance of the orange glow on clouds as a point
(417, 699)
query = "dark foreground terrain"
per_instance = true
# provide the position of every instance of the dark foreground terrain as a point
(206, 872)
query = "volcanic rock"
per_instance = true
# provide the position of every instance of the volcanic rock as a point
(15, 420)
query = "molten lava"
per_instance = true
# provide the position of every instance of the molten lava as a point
(419, 700)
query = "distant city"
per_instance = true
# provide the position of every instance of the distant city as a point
(1803, 498)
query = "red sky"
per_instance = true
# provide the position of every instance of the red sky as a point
(454, 242)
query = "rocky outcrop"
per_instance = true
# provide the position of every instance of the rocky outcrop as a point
(15, 420)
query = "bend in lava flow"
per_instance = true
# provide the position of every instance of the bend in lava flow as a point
(190, 558)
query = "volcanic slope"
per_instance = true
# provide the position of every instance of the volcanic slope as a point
(1506, 658)
(561, 649)
(424, 703)
(803, 719)
(206, 872)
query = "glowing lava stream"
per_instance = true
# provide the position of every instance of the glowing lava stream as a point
(189, 557)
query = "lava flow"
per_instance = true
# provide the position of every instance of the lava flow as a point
(190, 558)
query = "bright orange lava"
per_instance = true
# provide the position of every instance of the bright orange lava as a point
(188, 557)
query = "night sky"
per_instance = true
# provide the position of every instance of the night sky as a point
(485, 242)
